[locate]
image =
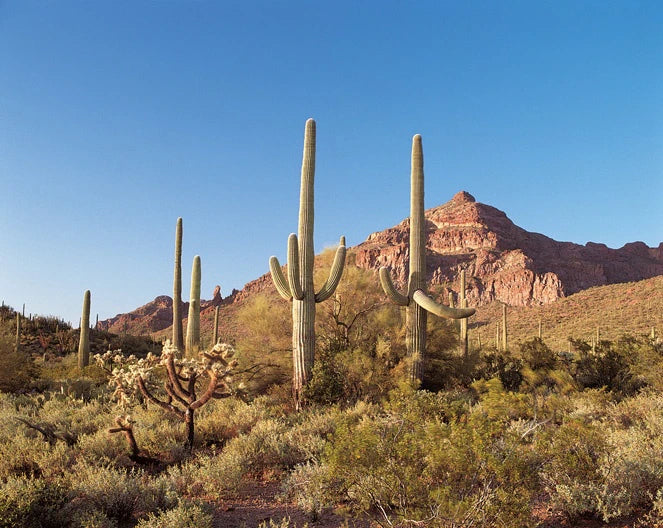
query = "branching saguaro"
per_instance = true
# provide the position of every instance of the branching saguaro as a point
(299, 285)
(189, 383)
(417, 301)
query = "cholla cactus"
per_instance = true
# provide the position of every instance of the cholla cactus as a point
(183, 377)
(416, 299)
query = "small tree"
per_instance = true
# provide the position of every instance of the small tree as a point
(189, 384)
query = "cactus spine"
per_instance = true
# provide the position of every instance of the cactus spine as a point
(178, 337)
(18, 332)
(505, 335)
(299, 285)
(417, 301)
(193, 322)
(215, 339)
(84, 339)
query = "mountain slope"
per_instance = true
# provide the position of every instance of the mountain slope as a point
(503, 263)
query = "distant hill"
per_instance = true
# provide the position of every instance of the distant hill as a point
(503, 262)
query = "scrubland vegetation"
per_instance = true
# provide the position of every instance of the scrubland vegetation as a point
(518, 438)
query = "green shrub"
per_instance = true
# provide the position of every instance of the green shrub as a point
(417, 463)
(184, 515)
(119, 494)
(30, 503)
(572, 472)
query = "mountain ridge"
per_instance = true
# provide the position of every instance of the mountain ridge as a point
(503, 262)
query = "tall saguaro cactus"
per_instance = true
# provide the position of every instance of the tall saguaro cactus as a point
(416, 300)
(84, 339)
(464, 341)
(193, 322)
(505, 332)
(299, 285)
(215, 338)
(18, 332)
(178, 337)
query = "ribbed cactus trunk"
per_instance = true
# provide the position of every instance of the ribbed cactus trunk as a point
(303, 311)
(18, 332)
(178, 336)
(464, 342)
(497, 337)
(299, 286)
(417, 317)
(215, 338)
(417, 301)
(505, 335)
(84, 339)
(193, 322)
(540, 329)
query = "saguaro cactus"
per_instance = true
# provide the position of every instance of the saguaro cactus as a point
(299, 285)
(178, 337)
(215, 339)
(84, 340)
(18, 332)
(505, 333)
(464, 341)
(193, 323)
(416, 300)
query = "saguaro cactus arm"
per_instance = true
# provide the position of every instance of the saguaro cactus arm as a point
(390, 289)
(294, 275)
(334, 274)
(279, 279)
(441, 310)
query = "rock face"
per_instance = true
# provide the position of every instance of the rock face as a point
(502, 261)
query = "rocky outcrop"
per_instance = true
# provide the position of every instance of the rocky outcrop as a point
(505, 262)
(502, 262)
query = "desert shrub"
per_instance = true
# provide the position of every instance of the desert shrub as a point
(501, 365)
(348, 376)
(307, 486)
(607, 369)
(30, 503)
(571, 473)
(632, 470)
(415, 463)
(283, 523)
(606, 459)
(17, 370)
(184, 515)
(119, 494)
(221, 420)
(537, 355)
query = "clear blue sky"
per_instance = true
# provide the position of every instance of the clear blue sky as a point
(118, 117)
